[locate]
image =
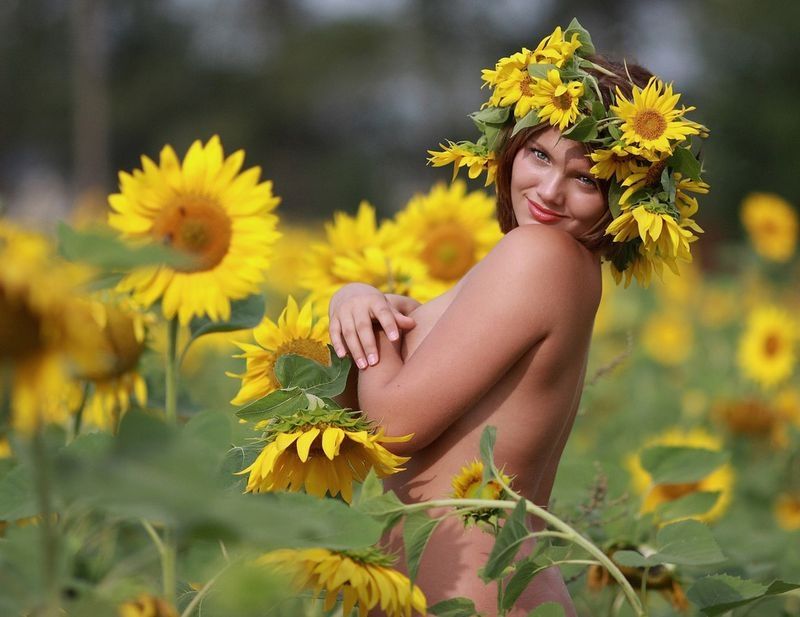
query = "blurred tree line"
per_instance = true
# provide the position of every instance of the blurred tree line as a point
(339, 100)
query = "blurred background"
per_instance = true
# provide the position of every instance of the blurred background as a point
(338, 100)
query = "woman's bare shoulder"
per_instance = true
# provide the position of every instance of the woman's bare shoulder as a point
(556, 259)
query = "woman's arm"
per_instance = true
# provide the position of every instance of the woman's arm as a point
(352, 311)
(509, 304)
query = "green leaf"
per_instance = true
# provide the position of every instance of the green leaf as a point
(614, 131)
(371, 488)
(245, 314)
(548, 609)
(598, 110)
(688, 543)
(278, 403)
(614, 193)
(417, 530)
(539, 71)
(680, 464)
(526, 570)
(494, 137)
(454, 607)
(386, 508)
(488, 438)
(528, 120)
(104, 249)
(632, 559)
(509, 541)
(688, 505)
(720, 593)
(583, 130)
(683, 161)
(587, 47)
(490, 115)
(301, 372)
(17, 499)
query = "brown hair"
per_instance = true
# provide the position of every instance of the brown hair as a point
(625, 76)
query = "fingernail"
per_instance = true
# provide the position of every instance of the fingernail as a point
(393, 335)
(372, 359)
(361, 363)
(340, 352)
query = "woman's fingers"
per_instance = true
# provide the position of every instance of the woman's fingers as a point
(404, 322)
(387, 317)
(335, 331)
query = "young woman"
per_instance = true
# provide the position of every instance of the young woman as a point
(507, 346)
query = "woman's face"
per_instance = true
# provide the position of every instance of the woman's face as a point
(551, 184)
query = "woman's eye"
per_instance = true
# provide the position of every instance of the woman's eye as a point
(587, 180)
(539, 154)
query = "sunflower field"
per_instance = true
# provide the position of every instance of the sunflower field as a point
(185, 184)
(172, 444)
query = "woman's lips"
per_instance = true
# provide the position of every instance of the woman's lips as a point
(541, 214)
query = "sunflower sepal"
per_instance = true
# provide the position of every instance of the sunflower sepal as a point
(282, 402)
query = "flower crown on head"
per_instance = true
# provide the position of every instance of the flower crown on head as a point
(642, 147)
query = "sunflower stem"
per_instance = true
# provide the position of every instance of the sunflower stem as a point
(76, 425)
(171, 374)
(564, 531)
(198, 597)
(169, 541)
(48, 536)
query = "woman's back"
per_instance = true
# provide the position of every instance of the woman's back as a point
(533, 404)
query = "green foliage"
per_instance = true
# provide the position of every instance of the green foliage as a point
(721, 593)
(454, 607)
(300, 372)
(548, 609)
(688, 505)
(686, 542)
(528, 120)
(508, 543)
(574, 27)
(104, 249)
(678, 464)
(524, 572)
(488, 438)
(246, 313)
(583, 130)
(417, 530)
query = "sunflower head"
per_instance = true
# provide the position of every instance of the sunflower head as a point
(364, 579)
(207, 208)
(719, 480)
(468, 484)
(147, 606)
(766, 352)
(321, 451)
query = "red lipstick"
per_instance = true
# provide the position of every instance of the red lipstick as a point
(542, 214)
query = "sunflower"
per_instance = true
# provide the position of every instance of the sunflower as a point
(687, 205)
(364, 577)
(667, 338)
(297, 332)
(502, 71)
(323, 452)
(641, 268)
(766, 348)
(660, 232)
(651, 120)
(771, 224)
(617, 161)
(204, 207)
(112, 369)
(468, 483)
(40, 335)
(147, 606)
(287, 263)
(455, 230)
(475, 159)
(720, 479)
(346, 236)
(391, 271)
(555, 48)
(787, 510)
(517, 90)
(752, 418)
(556, 101)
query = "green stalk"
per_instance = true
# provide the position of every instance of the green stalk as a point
(171, 373)
(564, 531)
(76, 425)
(48, 537)
(169, 542)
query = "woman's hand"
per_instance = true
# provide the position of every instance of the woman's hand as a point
(352, 310)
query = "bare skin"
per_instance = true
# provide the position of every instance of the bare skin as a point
(506, 347)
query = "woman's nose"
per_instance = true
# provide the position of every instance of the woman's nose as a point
(550, 187)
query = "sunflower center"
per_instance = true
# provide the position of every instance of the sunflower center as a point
(20, 330)
(525, 85)
(772, 345)
(670, 492)
(649, 124)
(653, 175)
(308, 348)
(562, 101)
(750, 418)
(197, 226)
(449, 252)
